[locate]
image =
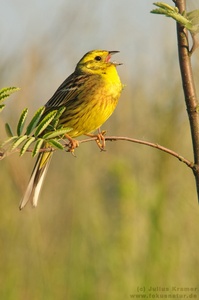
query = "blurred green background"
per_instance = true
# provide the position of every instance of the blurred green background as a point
(108, 222)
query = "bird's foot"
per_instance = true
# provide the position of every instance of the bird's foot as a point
(100, 139)
(72, 145)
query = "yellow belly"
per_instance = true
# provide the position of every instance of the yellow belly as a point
(93, 107)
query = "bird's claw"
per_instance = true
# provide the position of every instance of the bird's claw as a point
(100, 139)
(72, 145)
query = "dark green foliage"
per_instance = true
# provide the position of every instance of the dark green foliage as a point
(35, 129)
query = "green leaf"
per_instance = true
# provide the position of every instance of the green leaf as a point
(8, 130)
(26, 145)
(7, 91)
(18, 141)
(21, 122)
(11, 139)
(193, 16)
(56, 144)
(166, 7)
(37, 147)
(188, 20)
(45, 122)
(57, 133)
(35, 120)
(60, 111)
(3, 97)
(2, 107)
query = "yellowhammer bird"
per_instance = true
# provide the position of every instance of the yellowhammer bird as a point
(90, 95)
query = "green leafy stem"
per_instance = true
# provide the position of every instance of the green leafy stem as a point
(40, 130)
(43, 130)
(190, 20)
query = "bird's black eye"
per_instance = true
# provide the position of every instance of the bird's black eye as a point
(98, 58)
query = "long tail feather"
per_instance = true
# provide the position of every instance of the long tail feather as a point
(36, 179)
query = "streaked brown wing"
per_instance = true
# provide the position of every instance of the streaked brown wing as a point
(68, 91)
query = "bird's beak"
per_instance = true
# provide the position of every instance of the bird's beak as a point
(109, 57)
(113, 52)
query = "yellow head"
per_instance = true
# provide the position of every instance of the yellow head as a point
(96, 62)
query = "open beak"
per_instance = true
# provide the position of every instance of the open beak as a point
(109, 57)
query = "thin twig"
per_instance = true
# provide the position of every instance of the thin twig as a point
(111, 139)
(153, 145)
